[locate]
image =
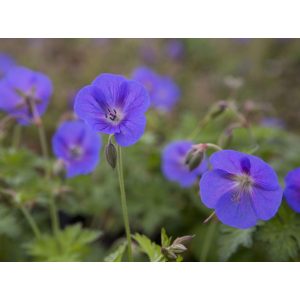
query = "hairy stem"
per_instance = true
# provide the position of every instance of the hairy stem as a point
(123, 202)
(208, 240)
(30, 221)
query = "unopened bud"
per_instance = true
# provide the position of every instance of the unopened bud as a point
(177, 249)
(195, 156)
(59, 169)
(183, 239)
(111, 154)
(218, 109)
(168, 253)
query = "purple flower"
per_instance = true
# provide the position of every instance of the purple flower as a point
(78, 146)
(241, 188)
(164, 93)
(175, 49)
(174, 167)
(114, 105)
(6, 63)
(273, 123)
(25, 94)
(292, 189)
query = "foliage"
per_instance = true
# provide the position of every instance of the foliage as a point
(70, 244)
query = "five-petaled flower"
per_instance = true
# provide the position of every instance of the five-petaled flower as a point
(25, 94)
(174, 166)
(241, 188)
(163, 91)
(292, 189)
(78, 146)
(115, 105)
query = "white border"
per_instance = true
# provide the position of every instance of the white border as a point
(155, 18)
(145, 281)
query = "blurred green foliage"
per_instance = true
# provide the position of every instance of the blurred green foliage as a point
(261, 76)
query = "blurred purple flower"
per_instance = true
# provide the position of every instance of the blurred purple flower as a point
(164, 93)
(273, 123)
(175, 49)
(292, 189)
(25, 94)
(114, 105)
(78, 146)
(148, 53)
(174, 167)
(6, 63)
(241, 188)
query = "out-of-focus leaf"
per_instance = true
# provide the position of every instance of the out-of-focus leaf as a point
(9, 224)
(231, 239)
(71, 244)
(281, 236)
(117, 255)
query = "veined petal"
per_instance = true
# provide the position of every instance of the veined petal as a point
(265, 202)
(131, 130)
(236, 212)
(213, 185)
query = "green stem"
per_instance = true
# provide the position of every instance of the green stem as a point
(31, 221)
(17, 136)
(54, 216)
(214, 146)
(44, 147)
(123, 202)
(208, 240)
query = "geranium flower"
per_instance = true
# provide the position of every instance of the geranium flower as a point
(175, 49)
(174, 167)
(6, 63)
(241, 188)
(292, 189)
(164, 93)
(78, 146)
(25, 94)
(114, 105)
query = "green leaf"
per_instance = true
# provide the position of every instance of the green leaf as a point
(9, 224)
(281, 236)
(117, 255)
(231, 239)
(165, 240)
(148, 247)
(71, 244)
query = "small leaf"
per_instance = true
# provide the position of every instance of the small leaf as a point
(165, 240)
(117, 255)
(151, 249)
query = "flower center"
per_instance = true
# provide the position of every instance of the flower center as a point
(244, 184)
(113, 115)
(245, 181)
(76, 152)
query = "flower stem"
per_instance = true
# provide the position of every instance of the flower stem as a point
(123, 202)
(214, 146)
(31, 221)
(208, 240)
(44, 147)
(16, 136)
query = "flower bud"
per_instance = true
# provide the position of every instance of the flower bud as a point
(218, 109)
(195, 157)
(177, 249)
(183, 239)
(111, 154)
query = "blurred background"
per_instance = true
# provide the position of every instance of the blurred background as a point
(262, 77)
